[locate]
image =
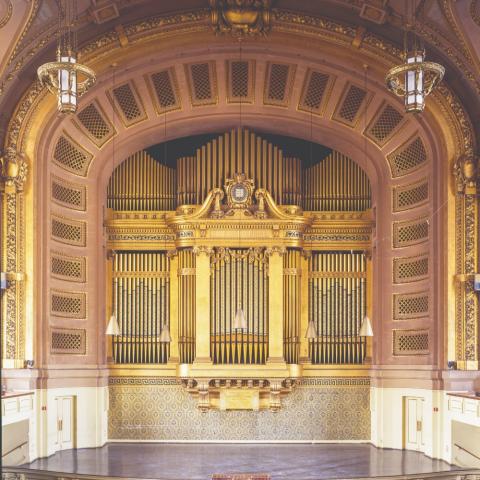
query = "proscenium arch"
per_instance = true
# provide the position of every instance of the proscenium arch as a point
(38, 138)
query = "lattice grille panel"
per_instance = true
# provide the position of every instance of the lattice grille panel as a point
(68, 194)
(164, 89)
(68, 231)
(71, 157)
(385, 124)
(410, 305)
(351, 105)
(202, 83)
(410, 342)
(410, 232)
(410, 269)
(65, 267)
(68, 341)
(239, 79)
(409, 196)
(67, 304)
(128, 104)
(95, 124)
(278, 84)
(313, 91)
(405, 160)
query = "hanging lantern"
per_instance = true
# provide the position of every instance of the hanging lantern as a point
(415, 79)
(239, 321)
(66, 78)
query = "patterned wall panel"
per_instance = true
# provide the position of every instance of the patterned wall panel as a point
(315, 91)
(70, 156)
(164, 90)
(384, 125)
(67, 194)
(128, 103)
(68, 304)
(351, 104)
(410, 342)
(278, 84)
(71, 232)
(92, 121)
(410, 232)
(202, 81)
(160, 409)
(66, 267)
(410, 305)
(68, 341)
(410, 269)
(240, 81)
(407, 158)
(410, 196)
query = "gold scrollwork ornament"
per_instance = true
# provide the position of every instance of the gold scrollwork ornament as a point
(466, 174)
(241, 17)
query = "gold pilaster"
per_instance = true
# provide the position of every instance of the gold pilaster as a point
(202, 305)
(174, 292)
(275, 306)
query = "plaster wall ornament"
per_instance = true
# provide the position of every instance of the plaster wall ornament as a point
(466, 174)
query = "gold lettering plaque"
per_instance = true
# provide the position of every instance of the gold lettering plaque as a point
(239, 399)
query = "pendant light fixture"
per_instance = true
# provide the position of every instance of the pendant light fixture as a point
(311, 333)
(414, 79)
(165, 331)
(66, 78)
(113, 327)
(240, 320)
(365, 327)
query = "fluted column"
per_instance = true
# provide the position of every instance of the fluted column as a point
(173, 308)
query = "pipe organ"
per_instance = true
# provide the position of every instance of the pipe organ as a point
(337, 299)
(239, 280)
(141, 293)
(239, 227)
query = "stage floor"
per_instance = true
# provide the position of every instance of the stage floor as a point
(200, 461)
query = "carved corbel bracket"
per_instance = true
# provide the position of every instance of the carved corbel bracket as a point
(239, 393)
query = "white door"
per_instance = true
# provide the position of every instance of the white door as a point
(65, 422)
(413, 423)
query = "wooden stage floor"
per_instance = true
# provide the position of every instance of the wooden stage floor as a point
(200, 461)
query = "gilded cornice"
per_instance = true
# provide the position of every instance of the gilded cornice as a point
(196, 21)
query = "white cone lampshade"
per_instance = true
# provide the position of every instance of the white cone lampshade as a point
(366, 328)
(112, 327)
(239, 321)
(165, 334)
(311, 331)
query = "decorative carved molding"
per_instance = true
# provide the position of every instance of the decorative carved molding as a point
(465, 171)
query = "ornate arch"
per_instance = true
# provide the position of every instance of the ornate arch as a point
(445, 129)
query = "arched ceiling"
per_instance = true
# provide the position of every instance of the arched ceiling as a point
(451, 31)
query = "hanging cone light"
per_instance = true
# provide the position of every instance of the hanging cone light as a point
(311, 331)
(112, 327)
(366, 327)
(165, 334)
(239, 321)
